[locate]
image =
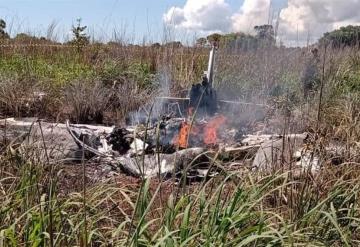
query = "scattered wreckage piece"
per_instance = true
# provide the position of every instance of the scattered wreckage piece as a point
(61, 144)
(88, 142)
(163, 164)
(277, 153)
(238, 153)
(37, 137)
(141, 151)
(295, 152)
(251, 140)
(137, 163)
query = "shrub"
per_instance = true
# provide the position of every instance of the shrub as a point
(21, 97)
(87, 101)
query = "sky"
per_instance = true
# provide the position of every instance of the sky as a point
(101, 16)
(298, 21)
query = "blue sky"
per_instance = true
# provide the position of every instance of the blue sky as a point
(299, 20)
(36, 15)
(134, 17)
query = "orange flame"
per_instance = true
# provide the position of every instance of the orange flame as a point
(210, 130)
(188, 132)
(183, 135)
(181, 139)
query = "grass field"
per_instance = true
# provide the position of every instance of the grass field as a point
(45, 204)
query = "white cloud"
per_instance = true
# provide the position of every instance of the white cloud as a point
(200, 15)
(297, 20)
(174, 16)
(314, 17)
(252, 13)
(216, 15)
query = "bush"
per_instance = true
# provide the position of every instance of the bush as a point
(21, 97)
(87, 101)
(344, 36)
(58, 71)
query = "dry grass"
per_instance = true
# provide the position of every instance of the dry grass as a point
(232, 209)
(247, 209)
(88, 101)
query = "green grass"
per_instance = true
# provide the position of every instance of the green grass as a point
(58, 71)
(231, 210)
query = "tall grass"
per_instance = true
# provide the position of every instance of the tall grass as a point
(233, 209)
(230, 210)
(130, 72)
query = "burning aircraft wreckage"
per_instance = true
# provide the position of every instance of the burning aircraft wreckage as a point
(175, 144)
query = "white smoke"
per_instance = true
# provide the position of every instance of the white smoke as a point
(299, 20)
(154, 109)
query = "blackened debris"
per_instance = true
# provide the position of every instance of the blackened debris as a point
(120, 140)
(203, 98)
(240, 135)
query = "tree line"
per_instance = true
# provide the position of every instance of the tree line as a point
(80, 39)
(264, 36)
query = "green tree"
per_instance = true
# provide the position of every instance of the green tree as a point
(345, 36)
(232, 40)
(174, 44)
(222, 40)
(3, 34)
(156, 45)
(214, 38)
(245, 42)
(230, 37)
(265, 35)
(201, 42)
(25, 38)
(81, 39)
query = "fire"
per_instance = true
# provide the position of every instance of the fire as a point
(183, 137)
(209, 132)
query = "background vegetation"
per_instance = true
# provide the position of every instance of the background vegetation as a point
(48, 205)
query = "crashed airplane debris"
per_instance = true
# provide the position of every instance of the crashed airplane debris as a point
(139, 152)
(283, 151)
(187, 145)
(167, 147)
